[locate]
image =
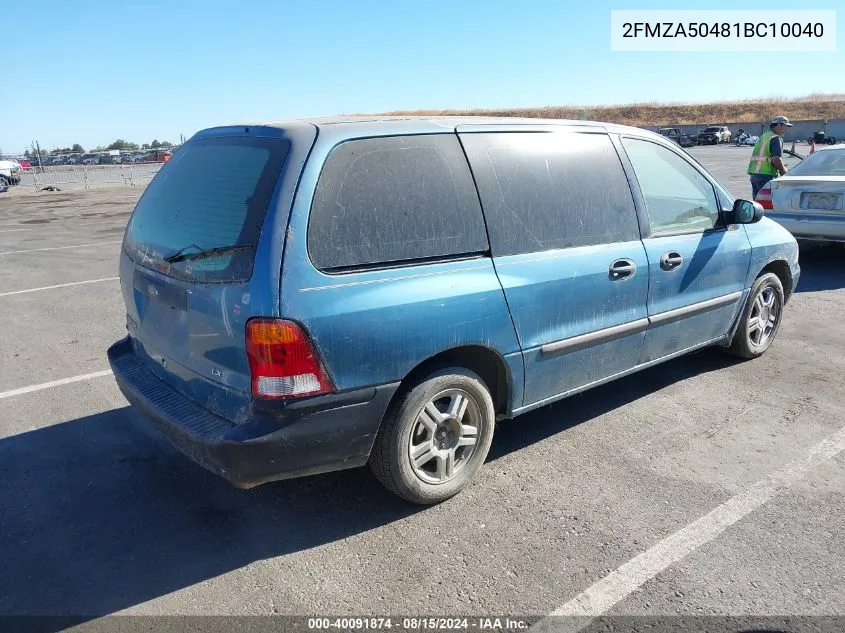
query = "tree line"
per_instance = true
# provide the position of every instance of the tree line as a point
(119, 144)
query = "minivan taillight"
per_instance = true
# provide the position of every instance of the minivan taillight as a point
(764, 197)
(282, 360)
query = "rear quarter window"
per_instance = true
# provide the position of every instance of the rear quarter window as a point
(383, 201)
(213, 193)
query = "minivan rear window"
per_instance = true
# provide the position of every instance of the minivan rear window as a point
(204, 210)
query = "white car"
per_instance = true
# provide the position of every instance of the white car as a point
(10, 173)
(714, 135)
(809, 201)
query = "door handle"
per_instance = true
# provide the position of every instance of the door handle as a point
(622, 269)
(671, 260)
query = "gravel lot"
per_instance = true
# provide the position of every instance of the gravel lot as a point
(99, 516)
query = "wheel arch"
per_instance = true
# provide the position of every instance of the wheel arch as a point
(780, 268)
(488, 363)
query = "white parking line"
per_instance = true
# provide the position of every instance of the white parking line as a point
(58, 248)
(13, 230)
(60, 222)
(72, 283)
(54, 383)
(74, 225)
(623, 581)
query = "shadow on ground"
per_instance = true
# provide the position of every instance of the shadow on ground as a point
(513, 435)
(822, 267)
(100, 514)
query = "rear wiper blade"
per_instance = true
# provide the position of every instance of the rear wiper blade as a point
(180, 256)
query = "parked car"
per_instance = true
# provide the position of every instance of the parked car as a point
(674, 134)
(820, 137)
(25, 164)
(10, 173)
(714, 135)
(809, 201)
(438, 275)
(90, 159)
(156, 156)
(73, 159)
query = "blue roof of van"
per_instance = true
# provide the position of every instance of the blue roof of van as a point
(438, 122)
(351, 126)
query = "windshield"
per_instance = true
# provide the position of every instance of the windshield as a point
(711, 129)
(211, 197)
(830, 162)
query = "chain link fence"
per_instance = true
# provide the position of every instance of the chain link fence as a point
(75, 177)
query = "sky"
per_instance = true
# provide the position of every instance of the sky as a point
(90, 71)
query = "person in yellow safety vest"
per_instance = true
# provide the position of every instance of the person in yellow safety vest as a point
(766, 162)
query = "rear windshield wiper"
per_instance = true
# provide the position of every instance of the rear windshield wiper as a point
(181, 256)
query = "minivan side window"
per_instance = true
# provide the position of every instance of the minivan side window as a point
(551, 190)
(678, 197)
(394, 199)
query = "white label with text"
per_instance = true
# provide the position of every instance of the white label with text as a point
(720, 31)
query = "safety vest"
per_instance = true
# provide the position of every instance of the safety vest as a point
(761, 156)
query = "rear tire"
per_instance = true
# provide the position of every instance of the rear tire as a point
(760, 319)
(435, 437)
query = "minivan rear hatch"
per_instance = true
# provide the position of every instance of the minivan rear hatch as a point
(188, 263)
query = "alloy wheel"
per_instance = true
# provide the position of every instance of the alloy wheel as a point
(764, 316)
(444, 436)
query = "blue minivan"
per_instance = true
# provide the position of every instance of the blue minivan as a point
(313, 295)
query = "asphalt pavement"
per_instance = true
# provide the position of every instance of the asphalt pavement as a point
(702, 487)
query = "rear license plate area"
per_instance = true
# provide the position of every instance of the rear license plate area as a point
(822, 201)
(159, 292)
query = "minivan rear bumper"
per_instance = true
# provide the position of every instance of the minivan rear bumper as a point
(302, 438)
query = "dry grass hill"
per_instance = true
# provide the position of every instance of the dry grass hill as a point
(813, 107)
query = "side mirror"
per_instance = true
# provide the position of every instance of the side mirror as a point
(746, 212)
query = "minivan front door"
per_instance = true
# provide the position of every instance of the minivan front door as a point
(565, 242)
(697, 265)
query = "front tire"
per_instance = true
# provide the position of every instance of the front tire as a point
(435, 436)
(761, 318)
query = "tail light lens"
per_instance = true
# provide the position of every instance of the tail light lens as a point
(764, 197)
(282, 361)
